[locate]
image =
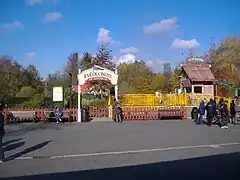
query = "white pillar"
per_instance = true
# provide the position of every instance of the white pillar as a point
(192, 88)
(212, 91)
(79, 100)
(116, 87)
(116, 92)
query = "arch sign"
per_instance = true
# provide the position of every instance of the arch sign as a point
(95, 73)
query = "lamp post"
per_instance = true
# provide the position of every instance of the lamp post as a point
(70, 99)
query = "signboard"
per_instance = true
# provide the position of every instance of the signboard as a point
(207, 89)
(195, 59)
(97, 73)
(58, 94)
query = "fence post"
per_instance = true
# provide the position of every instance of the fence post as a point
(110, 111)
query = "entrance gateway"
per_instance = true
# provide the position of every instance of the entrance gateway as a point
(95, 73)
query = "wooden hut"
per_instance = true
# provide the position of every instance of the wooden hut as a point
(197, 78)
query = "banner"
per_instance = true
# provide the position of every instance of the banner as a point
(58, 94)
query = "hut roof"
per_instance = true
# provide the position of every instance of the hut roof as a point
(198, 72)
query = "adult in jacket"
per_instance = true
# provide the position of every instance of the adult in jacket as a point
(201, 111)
(237, 110)
(232, 111)
(2, 133)
(211, 111)
(115, 109)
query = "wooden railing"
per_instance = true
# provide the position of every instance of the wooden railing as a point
(130, 113)
(94, 111)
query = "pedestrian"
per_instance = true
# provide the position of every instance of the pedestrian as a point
(211, 112)
(115, 109)
(119, 114)
(237, 110)
(215, 101)
(201, 111)
(2, 133)
(224, 115)
(232, 111)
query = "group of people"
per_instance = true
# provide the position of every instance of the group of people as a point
(219, 113)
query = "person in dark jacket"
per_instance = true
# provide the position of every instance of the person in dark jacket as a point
(237, 110)
(119, 114)
(211, 111)
(232, 111)
(224, 114)
(115, 109)
(2, 133)
(201, 111)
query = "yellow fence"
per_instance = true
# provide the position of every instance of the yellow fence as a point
(164, 99)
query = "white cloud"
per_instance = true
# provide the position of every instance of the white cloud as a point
(132, 50)
(126, 58)
(180, 43)
(12, 25)
(163, 25)
(104, 36)
(35, 2)
(149, 63)
(31, 55)
(52, 17)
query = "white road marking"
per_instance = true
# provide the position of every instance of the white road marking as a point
(215, 146)
(129, 152)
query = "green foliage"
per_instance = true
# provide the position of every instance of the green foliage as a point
(137, 77)
(225, 60)
(104, 58)
(26, 91)
(36, 101)
(17, 81)
(86, 61)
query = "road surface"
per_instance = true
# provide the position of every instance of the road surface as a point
(131, 150)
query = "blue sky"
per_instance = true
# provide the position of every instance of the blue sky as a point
(45, 32)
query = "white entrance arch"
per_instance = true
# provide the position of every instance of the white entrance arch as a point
(95, 73)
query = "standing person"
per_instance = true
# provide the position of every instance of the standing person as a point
(232, 111)
(237, 110)
(215, 101)
(201, 111)
(2, 133)
(119, 114)
(211, 111)
(115, 109)
(224, 115)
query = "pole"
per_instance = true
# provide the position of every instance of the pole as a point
(70, 91)
(116, 87)
(79, 99)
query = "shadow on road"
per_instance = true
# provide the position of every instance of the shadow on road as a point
(28, 150)
(220, 167)
(13, 146)
(5, 143)
(25, 128)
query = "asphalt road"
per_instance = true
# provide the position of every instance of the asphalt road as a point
(131, 150)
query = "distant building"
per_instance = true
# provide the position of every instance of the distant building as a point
(197, 78)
